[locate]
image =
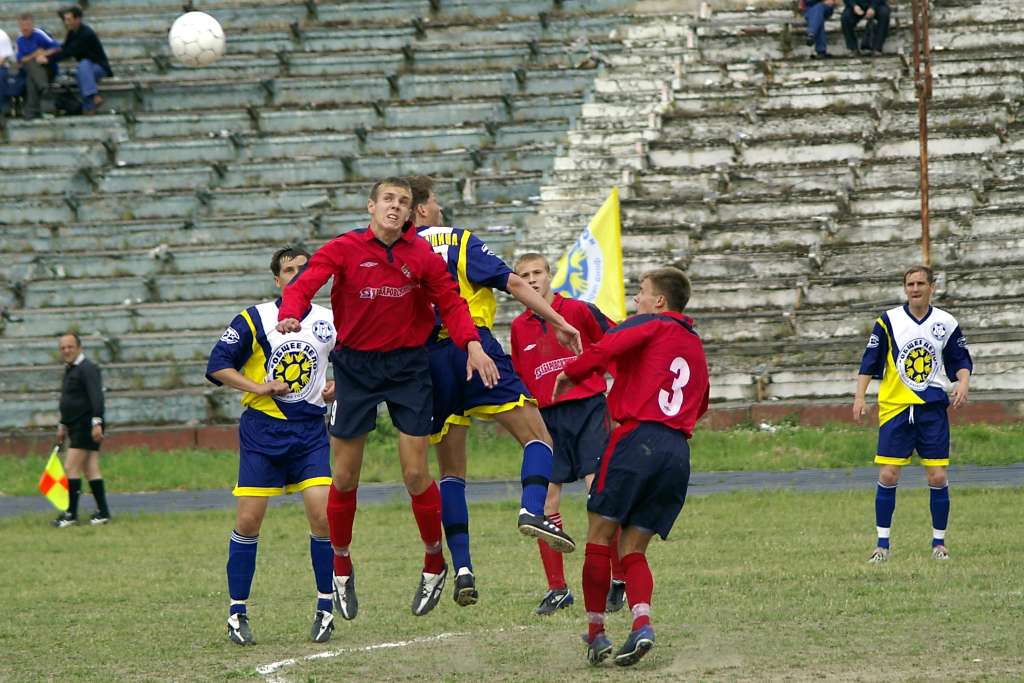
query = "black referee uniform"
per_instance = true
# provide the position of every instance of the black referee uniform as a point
(81, 408)
(81, 402)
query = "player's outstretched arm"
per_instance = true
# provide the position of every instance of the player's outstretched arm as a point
(479, 361)
(296, 297)
(860, 408)
(568, 336)
(236, 380)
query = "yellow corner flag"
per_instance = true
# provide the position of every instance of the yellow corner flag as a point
(592, 268)
(54, 483)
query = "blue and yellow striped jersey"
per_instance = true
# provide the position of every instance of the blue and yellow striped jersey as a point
(252, 345)
(917, 360)
(476, 269)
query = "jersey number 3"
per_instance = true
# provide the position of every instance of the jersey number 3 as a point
(671, 403)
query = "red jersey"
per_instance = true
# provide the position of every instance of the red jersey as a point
(538, 357)
(661, 373)
(381, 296)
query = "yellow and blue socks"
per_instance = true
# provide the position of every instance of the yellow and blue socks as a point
(940, 513)
(241, 568)
(535, 476)
(885, 505)
(322, 556)
(455, 520)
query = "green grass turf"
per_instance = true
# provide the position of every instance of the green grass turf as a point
(751, 586)
(497, 456)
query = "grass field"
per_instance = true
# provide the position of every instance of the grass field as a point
(751, 586)
(494, 456)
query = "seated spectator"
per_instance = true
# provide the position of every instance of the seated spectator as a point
(815, 13)
(876, 13)
(83, 44)
(6, 61)
(34, 76)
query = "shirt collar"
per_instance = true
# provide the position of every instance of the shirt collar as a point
(78, 360)
(409, 233)
(556, 303)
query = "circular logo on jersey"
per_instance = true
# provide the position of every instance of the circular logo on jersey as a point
(230, 336)
(295, 363)
(917, 364)
(583, 277)
(939, 331)
(323, 331)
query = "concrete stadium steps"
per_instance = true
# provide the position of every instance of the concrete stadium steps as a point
(166, 375)
(142, 348)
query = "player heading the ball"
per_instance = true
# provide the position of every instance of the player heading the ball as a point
(386, 281)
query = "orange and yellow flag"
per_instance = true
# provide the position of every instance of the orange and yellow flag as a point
(54, 483)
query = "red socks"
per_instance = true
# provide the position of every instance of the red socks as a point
(596, 582)
(426, 507)
(639, 587)
(617, 571)
(341, 513)
(554, 565)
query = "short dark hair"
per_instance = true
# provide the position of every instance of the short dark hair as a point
(421, 187)
(672, 284)
(532, 256)
(286, 253)
(919, 268)
(73, 333)
(392, 181)
(74, 10)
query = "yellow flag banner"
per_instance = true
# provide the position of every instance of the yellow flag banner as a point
(592, 268)
(54, 483)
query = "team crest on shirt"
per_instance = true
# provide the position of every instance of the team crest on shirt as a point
(873, 341)
(939, 331)
(230, 336)
(323, 331)
(295, 363)
(584, 268)
(917, 363)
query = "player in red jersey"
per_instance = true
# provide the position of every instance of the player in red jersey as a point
(577, 421)
(660, 391)
(385, 280)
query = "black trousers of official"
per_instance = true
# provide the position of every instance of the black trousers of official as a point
(876, 33)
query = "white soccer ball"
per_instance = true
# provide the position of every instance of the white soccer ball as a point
(196, 39)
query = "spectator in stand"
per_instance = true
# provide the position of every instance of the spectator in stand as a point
(82, 44)
(876, 13)
(34, 76)
(815, 13)
(6, 60)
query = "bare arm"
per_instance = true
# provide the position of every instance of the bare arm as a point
(236, 380)
(860, 408)
(963, 381)
(568, 336)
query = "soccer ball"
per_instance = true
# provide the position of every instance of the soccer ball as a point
(196, 39)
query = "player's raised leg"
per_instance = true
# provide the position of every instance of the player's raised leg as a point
(241, 565)
(426, 507)
(451, 459)
(341, 515)
(526, 425)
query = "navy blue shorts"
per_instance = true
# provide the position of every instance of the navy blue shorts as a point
(642, 477)
(579, 429)
(456, 400)
(281, 456)
(923, 428)
(365, 379)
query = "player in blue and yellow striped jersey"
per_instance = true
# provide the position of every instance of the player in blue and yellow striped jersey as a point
(283, 438)
(478, 271)
(917, 351)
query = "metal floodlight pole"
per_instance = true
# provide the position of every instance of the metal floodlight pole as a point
(923, 88)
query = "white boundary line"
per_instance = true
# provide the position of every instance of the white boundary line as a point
(269, 669)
